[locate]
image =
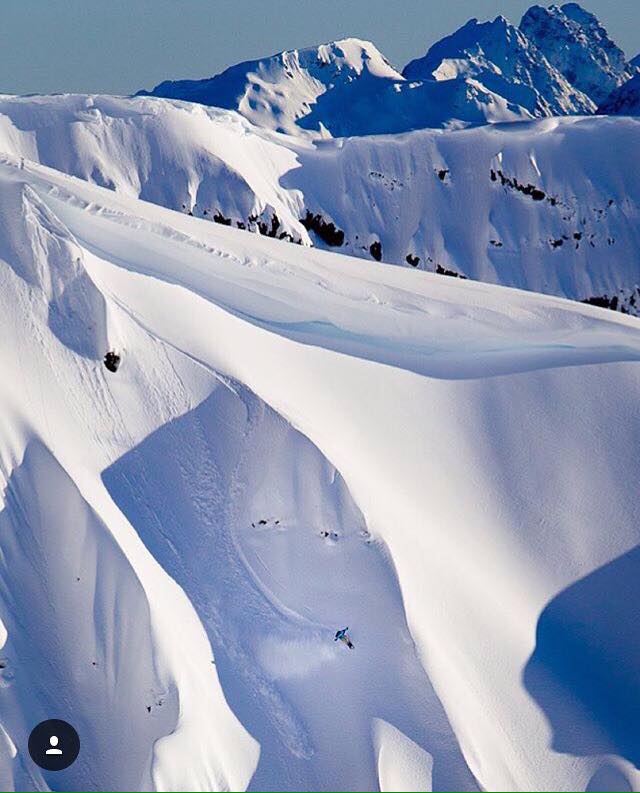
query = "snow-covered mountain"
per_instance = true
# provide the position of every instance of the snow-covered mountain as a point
(500, 57)
(549, 205)
(338, 89)
(297, 441)
(624, 100)
(560, 61)
(577, 44)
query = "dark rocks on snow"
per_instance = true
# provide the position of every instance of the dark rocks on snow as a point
(375, 249)
(627, 301)
(443, 271)
(328, 232)
(220, 218)
(526, 189)
(271, 229)
(496, 243)
(605, 302)
(112, 361)
(414, 261)
(442, 174)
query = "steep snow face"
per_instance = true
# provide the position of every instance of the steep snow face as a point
(498, 55)
(338, 89)
(575, 42)
(623, 101)
(178, 155)
(549, 205)
(43, 253)
(93, 630)
(298, 441)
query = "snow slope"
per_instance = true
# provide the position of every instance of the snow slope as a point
(549, 205)
(297, 441)
(624, 100)
(339, 89)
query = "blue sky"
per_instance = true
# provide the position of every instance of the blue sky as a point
(119, 46)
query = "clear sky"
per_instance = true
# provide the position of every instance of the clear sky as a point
(119, 46)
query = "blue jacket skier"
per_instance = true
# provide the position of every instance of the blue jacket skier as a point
(343, 636)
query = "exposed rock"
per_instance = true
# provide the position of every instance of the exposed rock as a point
(328, 232)
(443, 271)
(375, 249)
(112, 361)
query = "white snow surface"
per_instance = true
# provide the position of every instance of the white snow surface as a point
(438, 199)
(298, 441)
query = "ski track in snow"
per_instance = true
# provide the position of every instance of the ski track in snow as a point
(408, 417)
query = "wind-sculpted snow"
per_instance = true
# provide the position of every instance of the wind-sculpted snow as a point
(548, 205)
(297, 441)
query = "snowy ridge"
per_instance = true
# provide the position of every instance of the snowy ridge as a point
(549, 205)
(305, 93)
(559, 61)
(227, 505)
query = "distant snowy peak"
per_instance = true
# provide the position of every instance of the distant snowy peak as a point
(578, 46)
(282, 91)
(624, 100)
(501, 58)
(560, 61)
(340, 89)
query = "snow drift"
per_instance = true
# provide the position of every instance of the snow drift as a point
(297, 441)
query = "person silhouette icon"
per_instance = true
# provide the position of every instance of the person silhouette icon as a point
(47, 741)
(54, 743)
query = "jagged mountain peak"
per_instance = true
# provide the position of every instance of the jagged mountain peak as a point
(576, 43)
(499, 56)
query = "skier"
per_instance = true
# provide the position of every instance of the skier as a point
(344, 637)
